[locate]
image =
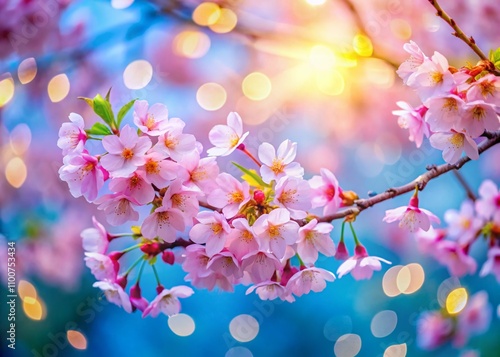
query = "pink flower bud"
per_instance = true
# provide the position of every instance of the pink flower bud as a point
(122, 281)
(259, 196)
(168, 257)
(360, 251)
(342, 253)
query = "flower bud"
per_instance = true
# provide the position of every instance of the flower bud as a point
(122, 281)
(168, 257)
(360, 251)
(259, 196)
(348, 197)
(341, 253)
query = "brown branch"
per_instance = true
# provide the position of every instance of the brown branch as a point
(465, 185)
(458, 31)
(421, 181)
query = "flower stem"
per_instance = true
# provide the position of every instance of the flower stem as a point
(131, 248)
(140, 270)
(342, 231)
(300, 260)
(356, 240)
(156, 274)
(249, 154)
(134, 265)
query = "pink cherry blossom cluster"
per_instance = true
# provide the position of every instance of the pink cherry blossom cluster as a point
(475, 219)
(259, 232)
(435, 328)
(458, 105)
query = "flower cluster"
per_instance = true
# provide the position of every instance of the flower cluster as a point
(458, 105)
(260, 231)
(434, 328)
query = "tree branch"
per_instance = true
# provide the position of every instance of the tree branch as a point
(465, 185)
(421, 181)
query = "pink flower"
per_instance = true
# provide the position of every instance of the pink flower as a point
(303, 281)
(134, 186)
(260, 265)
(294, 194)
(196, 262)
(433, 330)
(72, 136)
(314, 237)
(411, 65)
(492, 265)
(84, 175)
(118, 208)
(413, 119)
(361, 266)
(125, 152)
(427, 240)
(101, 266)
(226, 264)
(164, 223)
(182, 199)
(275, 231)
(326, 192)
(453, 144)
(226, 138)
(463, 225)
(199, 174)
(158, 171)
(475, 318)
(95, 240)
(411, 217)
(230, 195)
(487, 89)
(242, 239)
(115, 294)
(488, 204)
(136, 299)
(270, 290)
(278, 164)
(153, 121)
(432, 78)
(444, 112)
(173, 143)
(167, 301)
(454, 257)
(213, 230)
(478, 116)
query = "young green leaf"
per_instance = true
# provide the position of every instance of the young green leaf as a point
(123, 111)
(99, 129)
(253, 174)
(103, 108)
(89, 101)
(108, 94)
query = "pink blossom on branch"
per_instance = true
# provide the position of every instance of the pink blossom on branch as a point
(309, 279)
(95, 240)
(226, 138)
(413, 119)
(492, 265)
(315, 237)
(167, 301)
(411, 217)
(453, 144)
(115, 294)
(276, 164)
(230, 195)
(271, 290)
(212, 229)
(488, 203)
(72, 136)
(150, 120)
(325, 192)
(361, 265)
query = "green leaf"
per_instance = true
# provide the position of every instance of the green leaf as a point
(108, 94)
(89, 101)
(153, 260)
(124, 110)
(103, 108)
(253, 174)
(495, 55)
(99, 129)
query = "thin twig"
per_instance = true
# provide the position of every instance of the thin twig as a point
(465, 185)
(421, 181)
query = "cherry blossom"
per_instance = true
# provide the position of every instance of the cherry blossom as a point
(325, 192)
(463, 225)
(260, 264)
(163, 223)
(270, 290)
(444, 112)
(413, 119)
(182, 199)
(361, 265)
(433, 330)
(134, 186)
(167, 301)
(150, 120)
(309, 279)
(478, 116)
(453, 144)
(72, 136)
(293, 194)
(454, 257)
(95, 240)
(199, 174)
(118, 208)
(212, 229)
(486, 89)
(226, 264)
(278, 164)
(136, 299)
(226, 138)
(314, 237)
(475, 318)
(230, 195)
(125, 152)
(241, 240)
(114, 293)
(492, 265)
(158, 171)
(488, 204)
(411, 217)
(173, 143)
(101, 266)
(411, 65)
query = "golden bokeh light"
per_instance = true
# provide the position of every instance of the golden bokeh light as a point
(445, 288)
(211, 96)
(256, 86)
(27, 70)
(389, 282)
(226, 22)
(379, 73)
(7, 89)
(138, 74)
(362, 45)
(417, 278)
(316, 2)
(58, 87)
(330, 82)
(191, 44)
(77, 339)
(20, 139)
(456, 301)
(401, 29)
(207, 13)
(322, 57)
(396, 351)
(347, 345)
(181, 324)
(403, 279)
(26, 290)
(16, 172)
(33, 309)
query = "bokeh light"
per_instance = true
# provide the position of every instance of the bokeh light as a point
(181, 324)
(256, 86)
(138, 74)
(330, 82)
(6, 90)
(207, 13)
(26, 290)
(315, 2)
(244, 328)
(445, 288)
(383, 323)
(211, 96)
(322, 57)
(417, 277)
(16, 172)
(389, 282)
(362, 45)
(396, 351)
(456, 301)
(191, 44)
(58, 88)
(76, 339)
(121, 4)
(347, 345)
(401, 29)
(33, 308)
(27, 70)
(20, 139)
(239, 351)
(226, 22)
